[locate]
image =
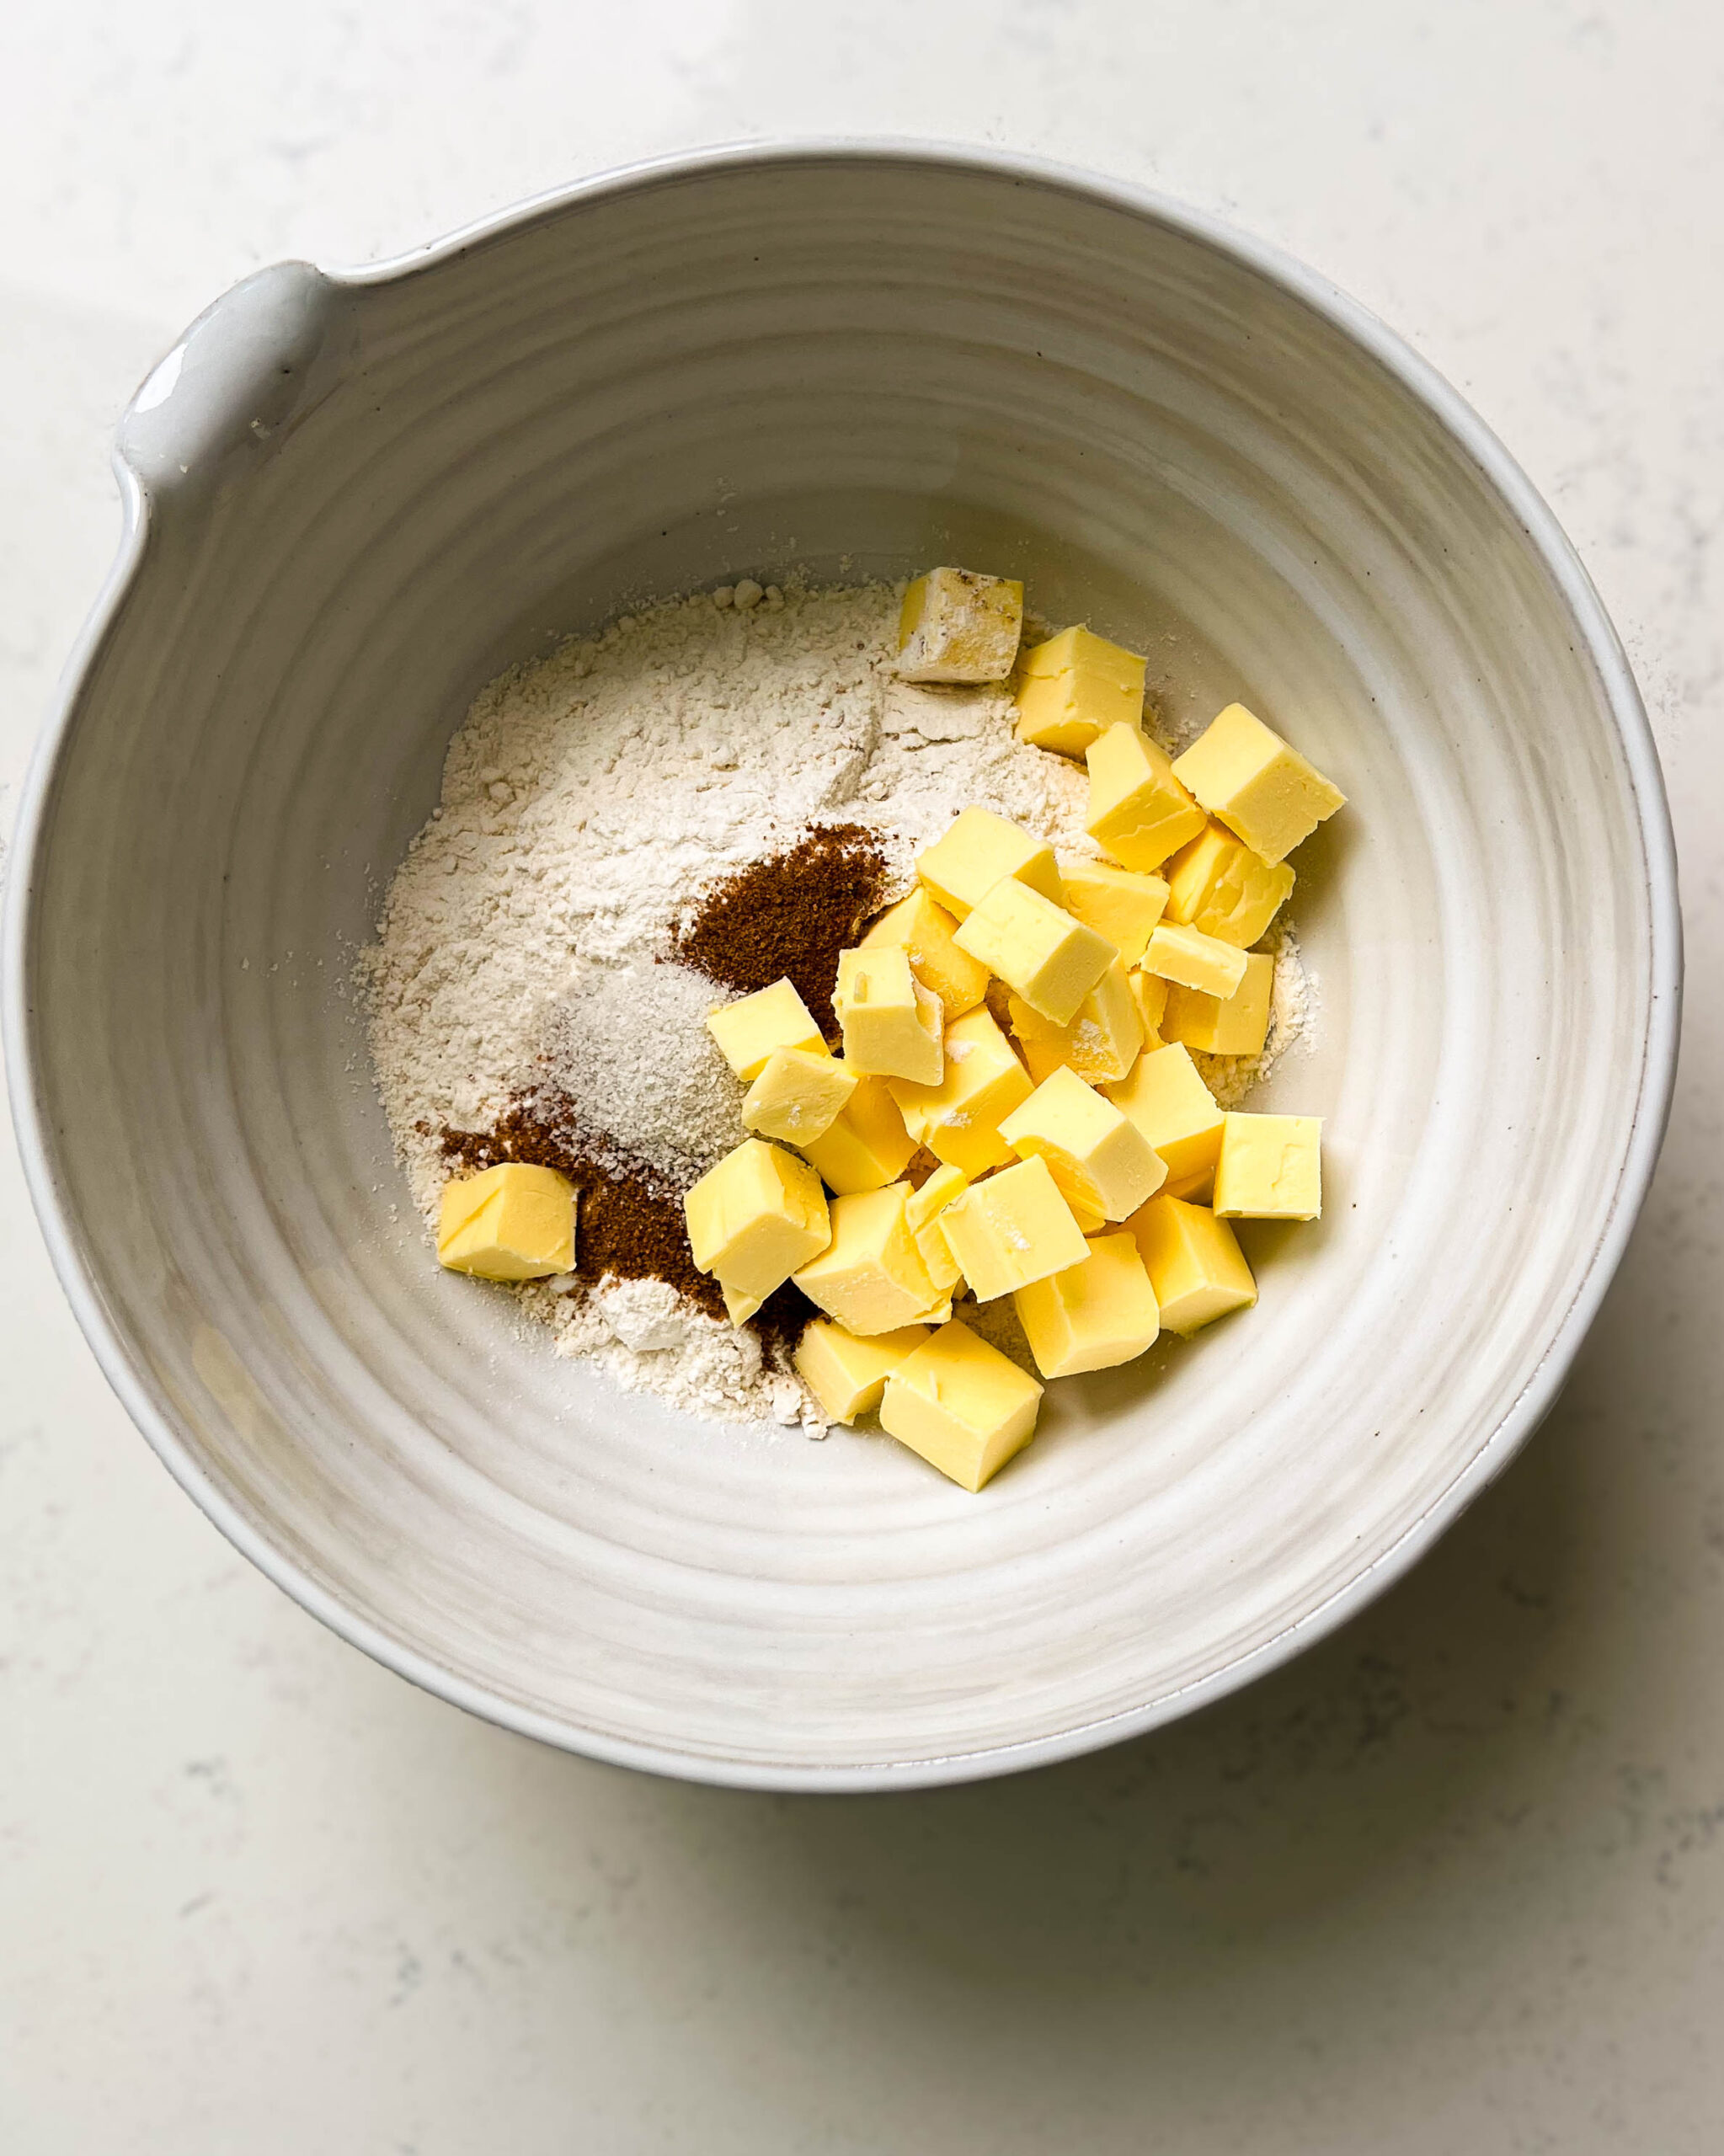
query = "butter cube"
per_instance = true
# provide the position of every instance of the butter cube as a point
(1270, 1168)
(923, 931)
(1167, 1100)
(847, 1374)
(1194, 1263)
(1263, 790)
(1097, 1315)
(870, 1277)
(957, 625)
(964, 1406)
(797, 1095)
(958, 1119)
(1194, 960)
(865, 1146)
(963, 868)
(1075, 686)
(1148, 992)
(1218, 884)
(1099, 1157)
(1139, 810)
(747, 1031)
(512, 1222)
(755, 1217)
(1119, 903)
(892, 1024)
(1037, 948)
(1010, 1230)
(1231, 1025)
(738, 1307)
(921, 1212)
(1101, 1042)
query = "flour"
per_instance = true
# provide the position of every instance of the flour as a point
(588, 802)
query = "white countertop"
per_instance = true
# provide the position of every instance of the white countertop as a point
(1453, 1881)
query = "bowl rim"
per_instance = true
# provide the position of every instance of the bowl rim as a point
(32, 1113)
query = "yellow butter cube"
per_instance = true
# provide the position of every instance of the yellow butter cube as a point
(1010, 1230)
(1265, 791)
(748, 1031)
(962, 868)
(1121, 903)
(1037, 948)
(1194, 1262)
(922, 1210)
(892, 1024)
(1094, 1317)
(1198, 1188)
(1139, 810)
(958, 1119)
(870, 1277)
(1096, 1154)
(797, 1095)
(1148, 992)
(1218, 884)
(957, 626)
(738, 1307)
(923, 931)
(1101, 1042)
(964, 1406)
(1229, 1025)
(755, 1217)
(846, 1373)
(1166, 1097)
(1270, 1168)
(1075, 686)
(1194, 960)
(512, 1222)
(865, 1146)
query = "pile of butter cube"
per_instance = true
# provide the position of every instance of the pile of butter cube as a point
(1029, 1022)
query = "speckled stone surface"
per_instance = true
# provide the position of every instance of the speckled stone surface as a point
(1455, 1879)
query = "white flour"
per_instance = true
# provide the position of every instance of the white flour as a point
(587, 800)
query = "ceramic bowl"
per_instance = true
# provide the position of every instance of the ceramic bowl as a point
(351, 497)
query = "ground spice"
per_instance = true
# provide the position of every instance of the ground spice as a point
(630, 1218)
(790, 916)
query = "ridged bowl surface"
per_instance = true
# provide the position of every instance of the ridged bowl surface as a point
(353, 498)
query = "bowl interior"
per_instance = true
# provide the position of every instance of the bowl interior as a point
(852, 364)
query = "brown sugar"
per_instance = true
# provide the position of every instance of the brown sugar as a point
(789, 916)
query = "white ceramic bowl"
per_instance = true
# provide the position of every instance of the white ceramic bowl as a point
(351, 497)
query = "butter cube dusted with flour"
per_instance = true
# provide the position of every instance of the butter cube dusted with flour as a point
(866, 1145)
(923, 930)
(1094, 1316)
(1218, 884)
(1263, 791)
(1102, 1041)
(796, 1095)
(847, 1373)
(960, 869)
(1010, 1230)
(1074, 687)
(512, 1222)
(1270, 1168)
(1124, 905)
(1040, 951)
(1101, 1160)
(1165, 1096)
(748, 1031)
(755, 1217)
(1139, 810)
(1232, 1025)
(870, 1277)
(892, 1024)
(956, 626)
(964, 1406)
(958, 1119)
(1194, 1263)
(1194, 960)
